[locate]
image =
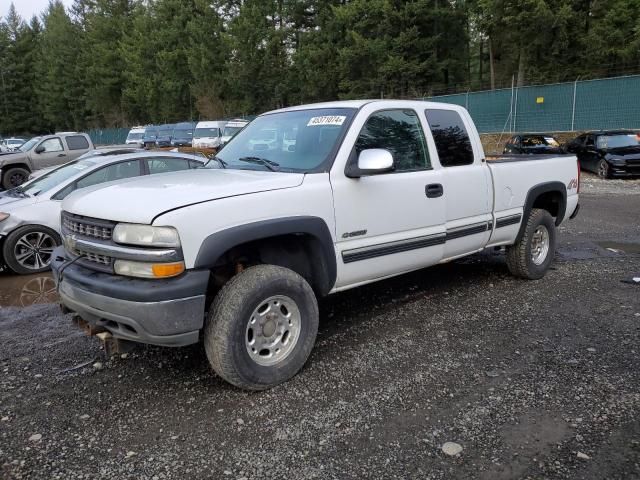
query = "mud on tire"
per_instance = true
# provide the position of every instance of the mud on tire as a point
(239, 317)
(522, 260)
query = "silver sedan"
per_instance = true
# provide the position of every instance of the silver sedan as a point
(30, 213)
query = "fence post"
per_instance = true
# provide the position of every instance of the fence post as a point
(466, 101)
(515, 112)
(573, 107)
(511, 108)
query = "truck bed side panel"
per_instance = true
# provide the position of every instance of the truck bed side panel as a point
(515, 176)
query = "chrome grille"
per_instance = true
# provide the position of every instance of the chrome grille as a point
(92, 257)
(86, 228)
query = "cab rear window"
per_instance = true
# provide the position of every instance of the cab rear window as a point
(450, 135)
(77, 142)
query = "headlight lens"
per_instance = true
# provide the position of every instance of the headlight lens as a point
(146, 235)
(148, 270)
(3, 216)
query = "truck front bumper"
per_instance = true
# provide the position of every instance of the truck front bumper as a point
(159, 312)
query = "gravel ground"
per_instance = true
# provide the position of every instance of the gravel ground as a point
(531, 379)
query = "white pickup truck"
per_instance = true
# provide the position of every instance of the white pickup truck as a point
(350, 193)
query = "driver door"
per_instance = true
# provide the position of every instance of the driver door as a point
(393, 222)
(52, 155)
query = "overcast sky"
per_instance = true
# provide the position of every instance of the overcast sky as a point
(28, 8)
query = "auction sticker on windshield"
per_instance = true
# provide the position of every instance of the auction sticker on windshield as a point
(326, 120)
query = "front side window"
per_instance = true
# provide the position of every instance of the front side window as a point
(293, 141)
(117, 171)
(451, 138)
(399, 132)
(52, 145)
(164, 165)
(77, 142)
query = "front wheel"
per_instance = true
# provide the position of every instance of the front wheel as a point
(262, 327)
(29, 249)
(603, 169)
(14, 177)
(531, 256)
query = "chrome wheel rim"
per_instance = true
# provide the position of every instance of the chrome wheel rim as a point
(273, 330)
(33, 250)
(540, 245)
(603, 169)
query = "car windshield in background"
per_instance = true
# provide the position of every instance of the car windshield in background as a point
(619, 141)
(294, 141)
(56, 177)
(135, 136)
(207, 132)
(539, 141)
(231, 131)
(182, 133)
(29, 145)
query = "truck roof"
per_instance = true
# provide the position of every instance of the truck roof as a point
(383, 103)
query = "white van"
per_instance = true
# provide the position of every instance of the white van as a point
(208, 134)
(135, 136)
(231, 128)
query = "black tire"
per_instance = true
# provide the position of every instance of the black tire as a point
(226, 330)
(604, 170)
(14, 177)
(520, 255)
(40, 260)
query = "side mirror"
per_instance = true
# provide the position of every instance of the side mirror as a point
(371, 162)
(39, 149)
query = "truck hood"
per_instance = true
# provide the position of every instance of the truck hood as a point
(141, 200)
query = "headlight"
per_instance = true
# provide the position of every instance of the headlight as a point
(4, 216)
(146, 235)
(148, 270)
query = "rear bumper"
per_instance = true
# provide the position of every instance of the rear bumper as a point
(132, 309)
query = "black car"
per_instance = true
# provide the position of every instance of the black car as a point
(609, 153)
(533, 143)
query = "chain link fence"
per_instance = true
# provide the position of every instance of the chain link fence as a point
(563, 107)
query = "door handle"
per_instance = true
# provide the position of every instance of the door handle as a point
(434, 190)
(62, 155)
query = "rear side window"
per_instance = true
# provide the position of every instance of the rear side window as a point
(399, 132)
(77, 142)
(450, 135)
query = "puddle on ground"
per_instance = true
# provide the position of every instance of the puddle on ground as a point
(25, 290)
(620, 247)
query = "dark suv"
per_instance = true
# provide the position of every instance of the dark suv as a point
(609, 153)
(533, 143)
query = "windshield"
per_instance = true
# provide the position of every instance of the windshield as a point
(182, 132)
(231, 131)
(294, 141)
(165, 133)
(539, 141)
(619, 141)
(135, 136)
(206, 132)
(55, 177)
(29, 145)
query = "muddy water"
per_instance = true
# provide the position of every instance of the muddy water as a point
(25, 290)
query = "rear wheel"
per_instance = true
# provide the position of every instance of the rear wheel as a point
(604, 170)
(30, 249)
(262, 327)
(14, 177)
(532, 255)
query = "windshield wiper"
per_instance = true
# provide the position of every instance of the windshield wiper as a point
(269, 164)
(17, 192)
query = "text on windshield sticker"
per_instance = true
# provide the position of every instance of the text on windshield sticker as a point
(326, 120)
